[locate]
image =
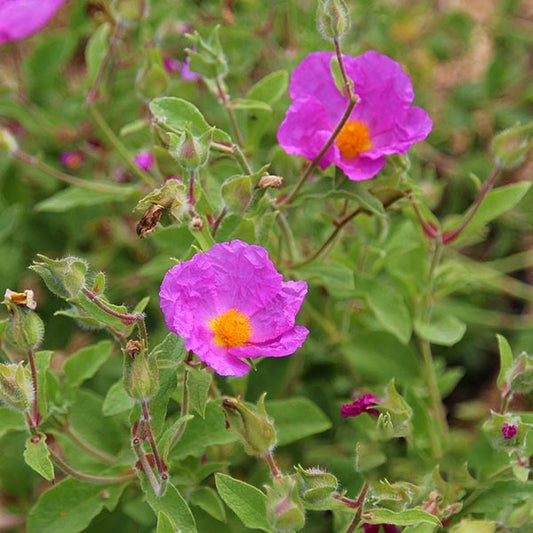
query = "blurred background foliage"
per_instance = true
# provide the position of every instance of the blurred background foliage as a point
(471, 66)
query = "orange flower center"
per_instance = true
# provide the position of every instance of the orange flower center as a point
(232, 329)
(353, 139)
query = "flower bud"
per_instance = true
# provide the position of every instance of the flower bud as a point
(16, 388)
(8, 143)
(253, 426)
(511, 146)
(189, 150)
(24, 329)
(285, 510)
(520, 374)
(140, 372)
(317, 485)
(64, 277)
(333, 18)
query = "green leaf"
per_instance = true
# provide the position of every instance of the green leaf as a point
(202, 433)
(237, 193)
(506, 359)
(296, 418)
(176, 112)
(497, 202)
(69, 506)
(198, 383)
(165, 442)
(270, 88)
(335, 277)
(247, 502)
(245, 104)
(95, 52)
(365, 198)
(402, 518)
(164, 524)
(117, 400)
(85, 363)
(37, 456)
(207, 499)
(42, 363)
(10, 421)
(75, 197)
(467, 525)
(445, 330)
(389, 307)
(174, 507)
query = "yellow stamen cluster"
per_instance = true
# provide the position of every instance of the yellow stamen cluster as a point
(232, 329)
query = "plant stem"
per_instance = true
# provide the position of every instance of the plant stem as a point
(354, 504)
(449, 236)
(119, 147)
(102, 456)
(61, 176)
(65, 467)
(35, 415)
(316, 160)
(126, 318)
(218, 220)
(147, 469)
(184, 409)
(274, 470)
(347, 86)
(191, 197)
(231, 115)
(425, 349)
(161, 468)
(288, 237)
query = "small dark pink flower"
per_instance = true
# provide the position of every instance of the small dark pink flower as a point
(171, 64)
(383, 121)
(374, 528)
(144, 160)
(72, 159)
(22, 18)
(509, 430)
(186, 73)
(361, 405)
(230, 304)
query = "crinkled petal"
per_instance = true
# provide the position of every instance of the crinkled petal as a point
(306, 129)
(188, 295)
(313, 78)
(245, 277)
(286, 344)
(21, 18)
(361, 167)
(279, 315)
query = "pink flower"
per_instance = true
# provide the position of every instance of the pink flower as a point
(144, 160)
(360, 405)
(21, 18)
(230, 304)
(509, 430)
(173, 65)
(383, 121)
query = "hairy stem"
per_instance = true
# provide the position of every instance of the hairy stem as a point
(35, 415)
(126, 318)
(229, 110)
(274, 470)
(85, 446)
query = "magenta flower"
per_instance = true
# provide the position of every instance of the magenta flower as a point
(144, 160)
(173, 65)
(509, 430)
(22, 18)
(383, 121)
(375, 528)
(230, 304)
(360, 405)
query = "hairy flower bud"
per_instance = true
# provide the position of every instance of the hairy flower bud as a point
(317, 485)
(64, 277)
(24, 329)
(140, 372)
(511, 146)
(252, 425)
(270, 181)
(285, 510)
(333, 18)
(191, 151)
(16, 388)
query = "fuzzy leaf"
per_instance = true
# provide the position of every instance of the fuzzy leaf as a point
(37, 456)
(198, 382)
(506, 359)
(85, 363)
(402, 518)
(246, 501)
